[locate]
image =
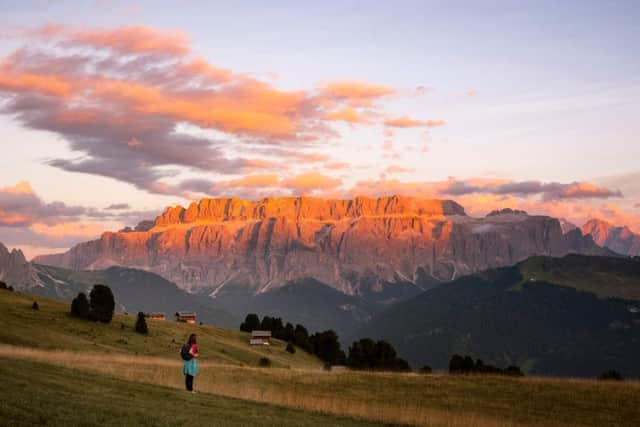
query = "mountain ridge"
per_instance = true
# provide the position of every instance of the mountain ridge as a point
(356, 245)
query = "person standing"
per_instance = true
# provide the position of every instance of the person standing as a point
(190, 367)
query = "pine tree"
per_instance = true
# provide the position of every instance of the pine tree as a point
(141, 324)
(80, 306)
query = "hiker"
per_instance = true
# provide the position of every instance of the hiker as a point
(189, 354)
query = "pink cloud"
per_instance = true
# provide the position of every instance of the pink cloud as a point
(407, 122)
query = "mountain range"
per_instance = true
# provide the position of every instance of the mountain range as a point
(619, 239)
(541, 314)
(510, 288)
(358, 246)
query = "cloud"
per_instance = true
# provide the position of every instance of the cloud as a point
(453, 187)
(118, 206)
(336, 165)
(311, 181)
(119, 98)
(69, 230)
(348, 115)
(355, 93)
(20, 206)
(398, 169)
(123, 40)
(407, 122)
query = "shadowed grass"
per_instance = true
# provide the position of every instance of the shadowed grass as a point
(39, 394)
(438, 400)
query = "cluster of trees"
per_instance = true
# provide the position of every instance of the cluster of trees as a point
(465, 365)
(99, 307)
(372, 355)
(325, 345)
(363, 354)
(5, 287)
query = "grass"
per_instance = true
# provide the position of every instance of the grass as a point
(52, 328)
(41, 394)
(428, 400)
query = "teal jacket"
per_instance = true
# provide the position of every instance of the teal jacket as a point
(190, 367)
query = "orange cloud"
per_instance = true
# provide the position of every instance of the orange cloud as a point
(266, 180)
(134, 39)
(348, 115)
(68, 229)
(336, 165)
(311, 181)
(26, 82)
(355, 93)
(397, 169)
(407, 122)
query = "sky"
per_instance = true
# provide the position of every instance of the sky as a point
(111, 111)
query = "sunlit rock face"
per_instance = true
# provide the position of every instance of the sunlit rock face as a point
(353, 245)
(619, 239)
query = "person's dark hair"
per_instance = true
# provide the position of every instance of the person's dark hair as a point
(192, 339)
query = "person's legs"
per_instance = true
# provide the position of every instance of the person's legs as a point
(189, 382)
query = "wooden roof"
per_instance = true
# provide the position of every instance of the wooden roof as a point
(260, 334)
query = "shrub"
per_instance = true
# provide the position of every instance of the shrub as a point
(251, 323)
(3, 285)
(290, 348)
(35, 306)
(264, 362)
(80, 306)
(101, 304)
(141, 324)
(611, 375)
(426, 369)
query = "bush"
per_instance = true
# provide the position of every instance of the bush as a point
(290, 348)
(80, 306)
(264, 362)
(101, 304)
(611, 375)
(426, 369)
(141, 324)
(35, 306)
(3, 285)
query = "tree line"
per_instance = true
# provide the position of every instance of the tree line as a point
(99, 307)
(362, 354)
(465, 365)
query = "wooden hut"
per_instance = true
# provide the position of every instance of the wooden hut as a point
(155, 316)
(260, 338)
(186, 316)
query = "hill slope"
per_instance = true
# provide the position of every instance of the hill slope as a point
(506, 316)
(52, 328)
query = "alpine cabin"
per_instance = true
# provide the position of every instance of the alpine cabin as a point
(260, 338)
(186, 316)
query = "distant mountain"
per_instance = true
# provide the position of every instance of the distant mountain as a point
(361, 246)
(619, 239)
(532, 314)
(15, 270)
(134, 290)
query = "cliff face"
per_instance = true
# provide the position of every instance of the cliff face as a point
(15, 270)
(353, 245)
(619, 239)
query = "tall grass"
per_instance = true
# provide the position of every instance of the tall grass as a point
(435, 400)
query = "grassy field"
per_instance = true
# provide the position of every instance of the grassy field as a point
(52, 328)
(41, 394)
(54, 343)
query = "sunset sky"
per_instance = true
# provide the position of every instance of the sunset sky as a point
(110, 111)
